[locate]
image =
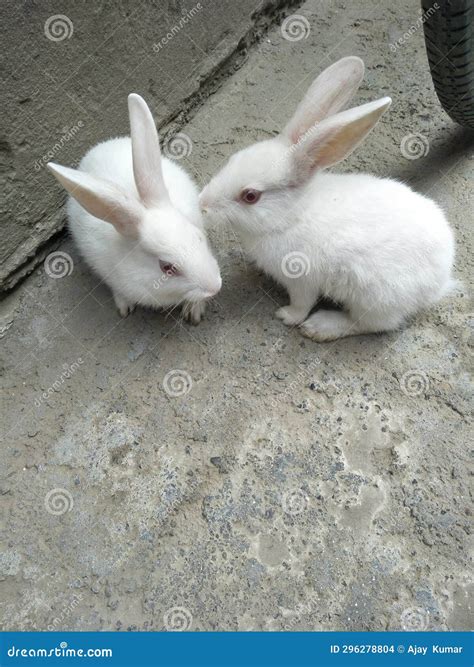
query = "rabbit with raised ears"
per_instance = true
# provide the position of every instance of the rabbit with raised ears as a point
(136, 220)
(373, 245)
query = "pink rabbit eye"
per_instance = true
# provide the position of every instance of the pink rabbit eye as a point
(169, 269)
(250, 196)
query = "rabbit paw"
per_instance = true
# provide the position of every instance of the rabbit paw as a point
(123, 306)
(290, 315)
(193, 312)
(327, 325)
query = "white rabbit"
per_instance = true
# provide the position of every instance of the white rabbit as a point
(373, 245)
(137, 221)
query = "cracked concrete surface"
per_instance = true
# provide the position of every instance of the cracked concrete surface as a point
(290, 485)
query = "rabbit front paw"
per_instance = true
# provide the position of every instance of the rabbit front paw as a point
(326, 325)
(290, 315)
(123, 306)
(193, 312)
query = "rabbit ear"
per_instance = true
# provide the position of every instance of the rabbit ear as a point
(327, 95)
(336, 137)
(146, 153)
(101, 199)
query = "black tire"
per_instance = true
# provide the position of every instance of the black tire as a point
(449, 36)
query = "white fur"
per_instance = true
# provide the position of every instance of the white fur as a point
(151, 205)
(373, 245)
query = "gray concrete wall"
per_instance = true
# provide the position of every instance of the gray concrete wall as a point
(66, 82)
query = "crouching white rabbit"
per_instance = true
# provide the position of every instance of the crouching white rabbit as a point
(373, 245)
(136, 220)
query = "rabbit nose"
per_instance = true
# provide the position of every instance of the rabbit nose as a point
(214, 288)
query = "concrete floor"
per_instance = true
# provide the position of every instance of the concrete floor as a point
(295, 485)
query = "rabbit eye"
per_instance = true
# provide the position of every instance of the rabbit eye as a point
(169, 268)
(250, 196)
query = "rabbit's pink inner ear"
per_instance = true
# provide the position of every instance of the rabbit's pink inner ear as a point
(327, 95)
(147, 166)
(101, 199)
(121, 212)
(336, 137)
